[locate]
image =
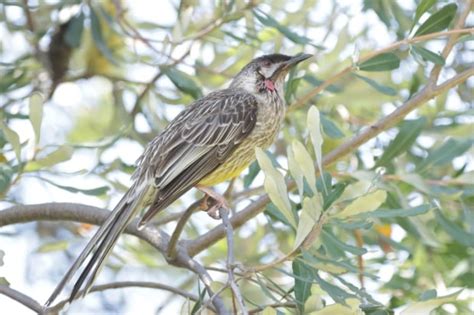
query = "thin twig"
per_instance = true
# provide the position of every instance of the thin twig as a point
(137, 106)
(21, 298)
(172, 250)
(224, 214)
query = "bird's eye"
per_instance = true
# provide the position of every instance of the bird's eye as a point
(266, 63)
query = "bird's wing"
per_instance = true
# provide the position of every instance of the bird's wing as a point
(197, 142)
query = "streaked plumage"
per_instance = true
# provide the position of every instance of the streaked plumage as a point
(211, 141)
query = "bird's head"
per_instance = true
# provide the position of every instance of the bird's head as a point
(266, 74)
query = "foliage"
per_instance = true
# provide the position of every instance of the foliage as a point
(387, 228)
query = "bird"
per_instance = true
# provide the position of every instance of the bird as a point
(212, 140)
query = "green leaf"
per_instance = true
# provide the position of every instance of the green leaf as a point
(313, 123)
(98, 191)
(53, 247)
(295, 170)
(366, 203)
(336, 293)
(36, 114)
(12, 137)
(309, 217)
(428, 55)
(269, 21)
(330, 128)
(438, 21)
(393, 213)
(425, 307)
(330, 239)
(305, 163)
(6, 175)
(63, 153)
(98, 37)
(382, 62)
(302, 286)
(424, 6)
(316, 82)
(254, 169)
(428, 295)
(199, 302)
(409, 131)
(445, 153)
(275, 186)
(74, 30)
(379, 87)
(4, 281)
(455, 231)
(349, 307)
(182, 81)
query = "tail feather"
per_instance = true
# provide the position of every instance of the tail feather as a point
(100, 246)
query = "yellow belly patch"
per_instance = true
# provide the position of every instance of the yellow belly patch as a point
(223, 173)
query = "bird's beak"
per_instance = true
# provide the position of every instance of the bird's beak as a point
(286, 66)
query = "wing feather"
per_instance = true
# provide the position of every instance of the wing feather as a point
(196, 143)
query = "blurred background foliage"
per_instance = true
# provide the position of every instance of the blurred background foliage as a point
(84, 85)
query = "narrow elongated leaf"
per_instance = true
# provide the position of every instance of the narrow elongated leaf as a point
(36, 114)
(182, 81)
(295, 170)
(409, 131)
(393, 213)
(12, 137)
(455, 231)
(382, 62)
(330, 238)
(336, 293)
(74, 30)
(98, 37)
(428, 55)
(98, 191)
(305, 162)
(309, 216)
(445, 153)
(425, 307)
(424, 6)
(254, 169)
(316, 82)
(302, 286)
(313, 122)
(367, 203)
(275, 186)
(6, 175)
(53, 247)
(62, 154)
(330, 128)
(438, 21)
(350, 307)
(379, 87)
(269, 21)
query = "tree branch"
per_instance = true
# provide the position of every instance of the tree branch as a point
(21, 298)
(93, 215)
(230, 265)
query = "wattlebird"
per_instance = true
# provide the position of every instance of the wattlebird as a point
(209, 142)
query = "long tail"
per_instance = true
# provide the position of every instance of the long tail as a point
(101, 245)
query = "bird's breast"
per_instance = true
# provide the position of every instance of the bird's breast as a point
(269, 118)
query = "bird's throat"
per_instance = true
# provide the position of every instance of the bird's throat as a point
(269, 85)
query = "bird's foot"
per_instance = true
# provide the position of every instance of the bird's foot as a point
(212, 202)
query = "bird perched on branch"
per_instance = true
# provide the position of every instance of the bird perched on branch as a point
(211, 141)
